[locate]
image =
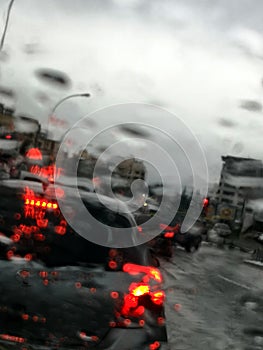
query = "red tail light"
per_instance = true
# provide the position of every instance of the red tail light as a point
(137, 291)
(158, 297)
(15, 237)
(167, 228)
(37, 202)
(34, 153)
(150, 271)
(154, 346)
(169, 234)
(42, 223)
(12, 338)
(60, 230)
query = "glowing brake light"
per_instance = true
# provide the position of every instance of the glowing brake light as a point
(139, 290)
(143, 291)
(167, 228)
(169, 234)
(134, 269)
(158, 297)
(34, 153)
(36, 202)
(12, 338)
(154, 346)
(42, 223)
(155, 274)
(60, 230)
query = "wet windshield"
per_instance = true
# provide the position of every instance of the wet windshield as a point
(131, 174)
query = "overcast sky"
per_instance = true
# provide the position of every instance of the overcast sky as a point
(197, 58)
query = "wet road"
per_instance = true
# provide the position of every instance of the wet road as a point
(214, 301)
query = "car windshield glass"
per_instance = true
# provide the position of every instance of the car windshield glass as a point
(130, 137)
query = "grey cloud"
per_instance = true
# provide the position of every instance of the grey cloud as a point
(186, 55)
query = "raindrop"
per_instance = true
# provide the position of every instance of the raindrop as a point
(134, 130)
(258, 340)
(251, 105)
(4, 56)
(97, 89)
(42, 98)
(25, 124)
(226, 122)
(238, 147)
(250, 305)
(31, 48)
(54, 77)
(7, 92)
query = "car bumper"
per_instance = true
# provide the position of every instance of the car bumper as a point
(134, 339)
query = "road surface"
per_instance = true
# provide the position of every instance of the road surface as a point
(214, 301)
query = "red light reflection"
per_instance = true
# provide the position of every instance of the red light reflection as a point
(154, 346)
(34, 153)
(50, 172)
(12, 338)
(169, 234)
(60, 230)
(134, 269)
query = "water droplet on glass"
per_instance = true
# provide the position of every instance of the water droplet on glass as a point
(4, 56)
(251, 105)
(238, 147)
(133, 130)
(226, 122)
(7, 92)
(53, 77)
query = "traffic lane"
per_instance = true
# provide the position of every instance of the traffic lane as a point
(214, 300)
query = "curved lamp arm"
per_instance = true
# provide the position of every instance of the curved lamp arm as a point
(66, 98)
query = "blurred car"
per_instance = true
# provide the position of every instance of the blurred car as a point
(60, 290)
(190, 240)
(172, 236)
(213, 237)
(218, 233)
(222, 229)
(259, 237)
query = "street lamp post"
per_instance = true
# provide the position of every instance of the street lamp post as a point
(61, 101)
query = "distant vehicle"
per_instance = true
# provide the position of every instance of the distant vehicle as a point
(172, 236)
(213, 237)
(218, 233)
(222, 230)
(55, 281)
(259, 237)
(190, 240)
